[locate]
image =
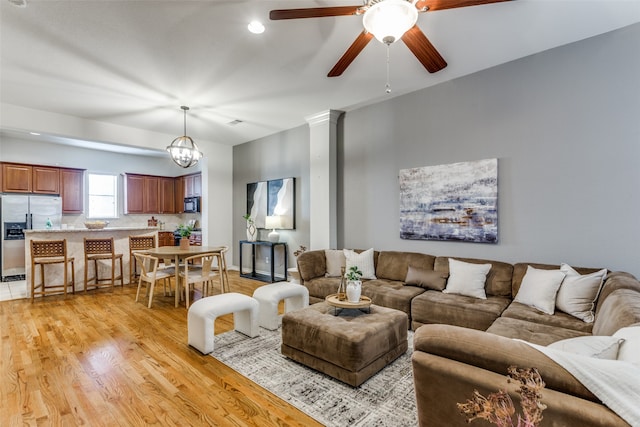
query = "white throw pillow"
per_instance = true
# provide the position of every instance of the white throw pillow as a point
(467, 279)
(600, 347)
(578, 293)
(363, 260)
(539, 289)
(630, 348)
(335, 261)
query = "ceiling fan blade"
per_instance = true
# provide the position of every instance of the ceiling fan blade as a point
(351, 53)
(313, 12)
(451, 4)
(422, 48)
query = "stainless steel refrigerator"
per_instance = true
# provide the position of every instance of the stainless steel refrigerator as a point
(18, 213)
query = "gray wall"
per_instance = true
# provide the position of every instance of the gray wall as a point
(282, 155)
(564, 124)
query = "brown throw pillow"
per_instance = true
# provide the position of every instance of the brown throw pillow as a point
(428, 279)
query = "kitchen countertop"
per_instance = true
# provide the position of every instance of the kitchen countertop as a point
(75, 248)
(75, 230)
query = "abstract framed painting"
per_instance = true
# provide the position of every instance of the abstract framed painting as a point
(282, 202)
(457, 201)
(274, 197)
(257, 202)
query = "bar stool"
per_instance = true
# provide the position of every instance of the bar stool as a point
(51, 252)
(138, 243)
(101, 250)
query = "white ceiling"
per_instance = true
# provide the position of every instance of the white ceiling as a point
(133, 63)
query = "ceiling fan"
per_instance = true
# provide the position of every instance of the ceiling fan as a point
(387, 21)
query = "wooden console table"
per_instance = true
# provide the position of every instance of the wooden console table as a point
(272, 247)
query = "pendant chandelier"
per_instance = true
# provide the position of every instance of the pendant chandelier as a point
(184, 152)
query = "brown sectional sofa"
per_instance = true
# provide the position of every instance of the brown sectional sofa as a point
(467, 343)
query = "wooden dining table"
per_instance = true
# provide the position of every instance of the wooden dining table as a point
(179, 254)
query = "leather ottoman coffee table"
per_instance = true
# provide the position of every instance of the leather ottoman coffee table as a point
(350, 346)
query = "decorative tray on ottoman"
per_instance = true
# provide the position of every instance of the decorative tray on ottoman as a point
(332, 300)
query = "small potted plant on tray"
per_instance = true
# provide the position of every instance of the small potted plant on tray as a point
(354, 284)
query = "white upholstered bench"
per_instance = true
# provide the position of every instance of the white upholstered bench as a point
(203, 313)
(295, 297)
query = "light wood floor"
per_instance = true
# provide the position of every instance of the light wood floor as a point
(100, 359)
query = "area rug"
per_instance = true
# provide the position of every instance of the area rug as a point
(385, 400)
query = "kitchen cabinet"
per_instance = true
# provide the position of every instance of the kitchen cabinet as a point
(167, 195)
(150, 194)
(134, 190)
(17, 178)
(46, 180)
(186, 186)
(72, 190)
(192, 185)
(179, 194)
(37, 179)
(197, 184)
(23, 178)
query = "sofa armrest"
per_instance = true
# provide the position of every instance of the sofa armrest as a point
(312, 264)
(495, 353)
(441, 383)
(617, 280)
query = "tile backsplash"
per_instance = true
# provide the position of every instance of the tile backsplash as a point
(171, 222)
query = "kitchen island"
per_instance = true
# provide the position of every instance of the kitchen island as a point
(75, 248)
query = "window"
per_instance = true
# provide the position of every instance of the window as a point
(103, 196)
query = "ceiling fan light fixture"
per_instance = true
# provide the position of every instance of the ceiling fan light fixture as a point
(256, 27)
(183, 150)
(388, 20)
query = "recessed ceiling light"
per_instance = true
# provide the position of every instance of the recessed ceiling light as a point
(256, 27)
(19, 3)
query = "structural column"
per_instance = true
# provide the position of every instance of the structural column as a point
(323, 175)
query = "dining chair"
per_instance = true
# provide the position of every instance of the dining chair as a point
(47, 253)
(197, 269)
(138, 243)
(96, 250)
(168, 264)
(221, 268)
(150, 274)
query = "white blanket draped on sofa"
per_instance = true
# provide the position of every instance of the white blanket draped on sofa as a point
(614, 382)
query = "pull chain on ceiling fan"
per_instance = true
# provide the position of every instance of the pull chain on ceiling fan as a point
(388, 85)
(388, 21)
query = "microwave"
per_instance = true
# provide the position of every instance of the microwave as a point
(191, 204)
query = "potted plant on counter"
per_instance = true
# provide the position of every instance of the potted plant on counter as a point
(185, 232)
